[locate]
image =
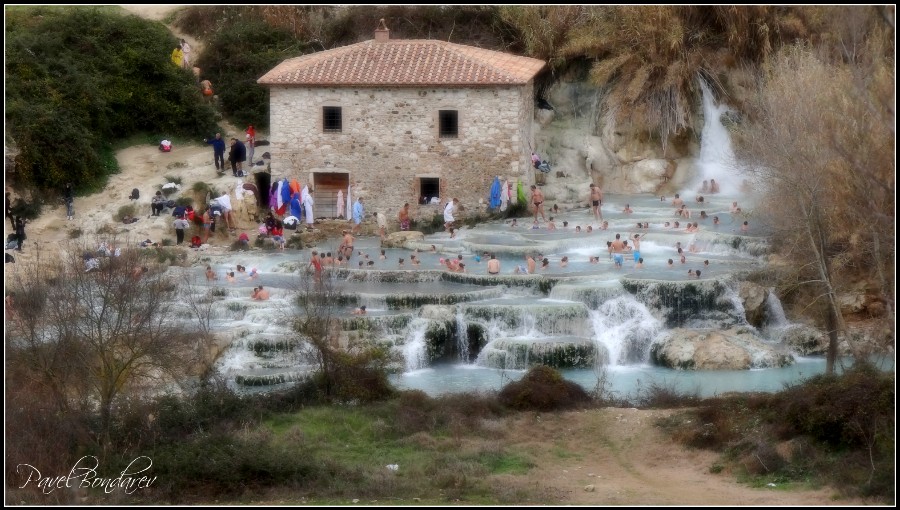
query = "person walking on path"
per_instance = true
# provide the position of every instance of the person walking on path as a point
(218, 151)
(180, 225)
(69, 196)
(20, 232)
(206, 89)
(448, 214)
(185, 54)
(237, 156)
(358, 214)
(177, 56)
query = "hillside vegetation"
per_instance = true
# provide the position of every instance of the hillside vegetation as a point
(78, 80)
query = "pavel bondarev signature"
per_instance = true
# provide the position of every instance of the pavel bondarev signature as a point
(84, 475)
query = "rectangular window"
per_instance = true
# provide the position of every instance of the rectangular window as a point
(331, 119)
(449, 123)
(429, 187)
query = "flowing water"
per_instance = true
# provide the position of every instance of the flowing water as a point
(473, 331)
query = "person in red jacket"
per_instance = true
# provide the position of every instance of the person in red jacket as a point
(278, 234)
(251, 142)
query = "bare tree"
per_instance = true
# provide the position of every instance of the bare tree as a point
(347, 370)
(36, 353)
(199, 300)
(114, 325)
(804, 139)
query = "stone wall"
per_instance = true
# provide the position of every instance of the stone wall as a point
(389, 138)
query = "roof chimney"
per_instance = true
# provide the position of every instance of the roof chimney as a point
(382, 34)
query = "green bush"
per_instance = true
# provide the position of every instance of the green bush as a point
(28, 210)
(236, 56)
(125, 210)
(837, 409)
(543, 389)
(78, 79)
(205, 190)
(184, 201)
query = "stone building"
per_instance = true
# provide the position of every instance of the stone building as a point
(402, 120)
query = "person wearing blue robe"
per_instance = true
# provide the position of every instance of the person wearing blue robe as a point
(295, 206)
(495, 193)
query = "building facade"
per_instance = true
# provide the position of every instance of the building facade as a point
(402, 121)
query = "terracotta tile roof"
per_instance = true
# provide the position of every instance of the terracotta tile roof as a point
(404, 63)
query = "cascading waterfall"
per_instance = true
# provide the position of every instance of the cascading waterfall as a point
(574, 317)
(716, 160)
(775, 322)
(774, 312)
(415, 353)
(462, 335)
(625, 327)
(529, 326)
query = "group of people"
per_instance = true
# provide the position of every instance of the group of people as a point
(238, 152)
(710, 186)
(181, 55)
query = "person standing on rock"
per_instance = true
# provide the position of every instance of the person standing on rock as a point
(238, 156)
(9, 213)
(403, 217)
(596, 200)
(537, 198)
(251, 143)
(20, 232)
(218, 151)
(180, 225)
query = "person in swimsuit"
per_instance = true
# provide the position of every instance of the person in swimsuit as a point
(537, 198)
(403, 217)
(346, 245)
(596, 200)
(493, 265)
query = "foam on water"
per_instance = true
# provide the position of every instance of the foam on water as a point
(414, 351)
(626, 328)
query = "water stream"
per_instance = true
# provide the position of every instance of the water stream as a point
(473, 331)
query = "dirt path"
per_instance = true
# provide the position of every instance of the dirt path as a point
(629, 461)
(158, 13)
(143, 167)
